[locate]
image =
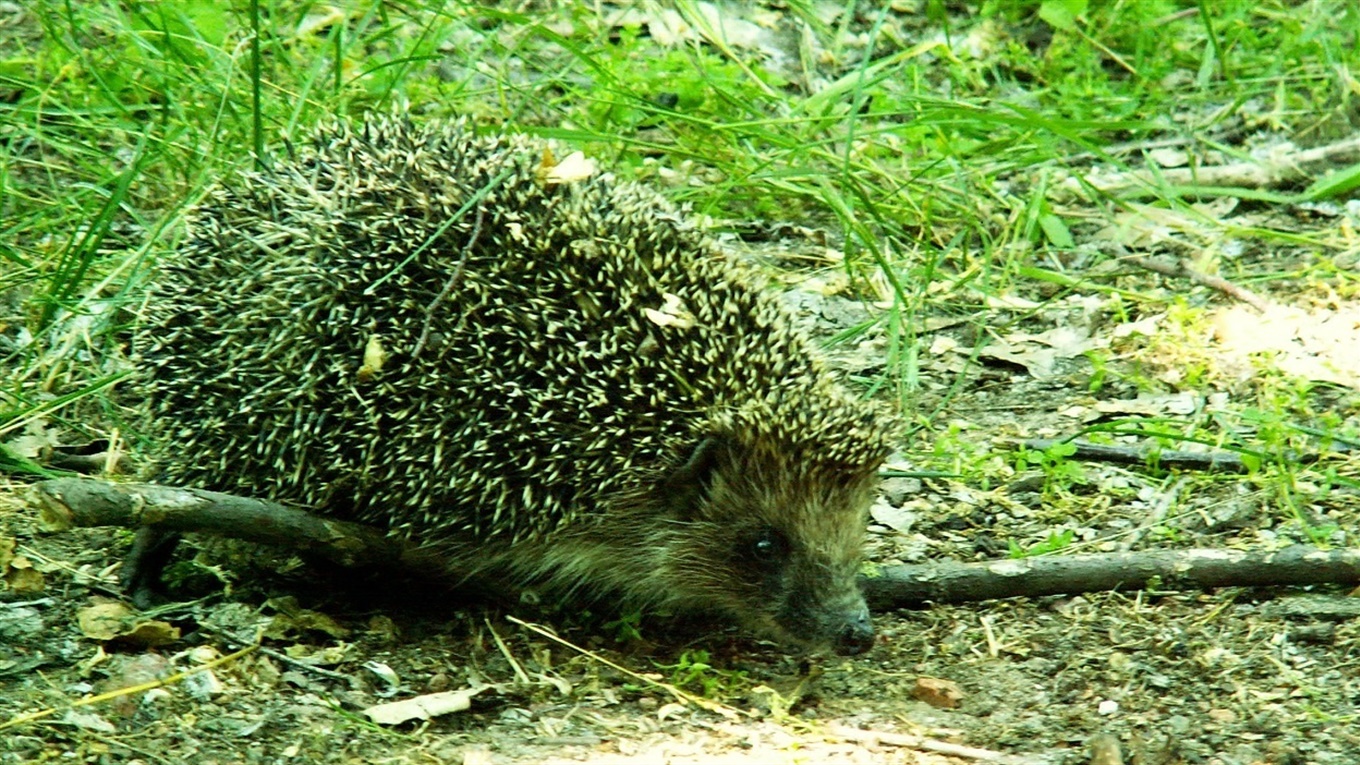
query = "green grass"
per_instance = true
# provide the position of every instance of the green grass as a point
(928, 144)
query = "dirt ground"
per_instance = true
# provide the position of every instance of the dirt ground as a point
(1233, 677)
(294, 653)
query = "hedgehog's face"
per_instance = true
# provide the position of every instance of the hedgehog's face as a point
(775, 544)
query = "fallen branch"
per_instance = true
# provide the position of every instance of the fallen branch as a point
(1286, 167)
(65, 503)
(874, 738)
(69, 502)
(1216, 460)
(949, 582)
(1180, 270)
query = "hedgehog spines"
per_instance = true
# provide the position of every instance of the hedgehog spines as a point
(410, 326)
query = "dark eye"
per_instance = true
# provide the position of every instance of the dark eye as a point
(768, 547)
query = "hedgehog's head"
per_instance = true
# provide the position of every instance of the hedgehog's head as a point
(772, 536)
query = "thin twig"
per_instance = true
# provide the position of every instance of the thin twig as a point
(679, 694)
(1212, 460)
(510, 659)
(921, 743)
(1297, 166)
(279, 656)
(452, 282)
(1179, 269)
(175, 678)
(86, 502)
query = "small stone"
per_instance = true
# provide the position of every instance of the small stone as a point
(937, 692)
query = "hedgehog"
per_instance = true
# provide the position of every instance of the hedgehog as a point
(550, 380)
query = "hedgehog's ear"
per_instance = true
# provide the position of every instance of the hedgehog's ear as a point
(685, 489)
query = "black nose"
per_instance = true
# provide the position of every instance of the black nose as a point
(857, 636)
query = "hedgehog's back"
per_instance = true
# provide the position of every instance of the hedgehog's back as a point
(420, 328)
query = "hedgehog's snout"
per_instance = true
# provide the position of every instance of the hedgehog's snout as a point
(826, 612)
(856, 635)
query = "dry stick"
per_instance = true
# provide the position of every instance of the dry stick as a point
(68, 502)
(280, 656)
(1179, 269)
(452, 282)
(950, 582)
(875, 737)
(65, 503)
(1291, 167)
(1217, 460)
(1214, 460)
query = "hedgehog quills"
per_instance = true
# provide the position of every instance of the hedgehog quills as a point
(550, 380)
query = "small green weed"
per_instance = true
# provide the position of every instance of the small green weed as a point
(627, 628)
(1059, 471)
(1055, 542)
(694, 672)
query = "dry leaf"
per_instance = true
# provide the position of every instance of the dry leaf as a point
(110, 621)
(896, 518)
(575, 167)
(292, 620)
(1315, 345)
(1169, 157)
(1152, 405)
(1141, 226)
(374, 358)
(671, 314)
(321, 18)
(104, 620)
(88, 721)
(320, 657)
(669, 28)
